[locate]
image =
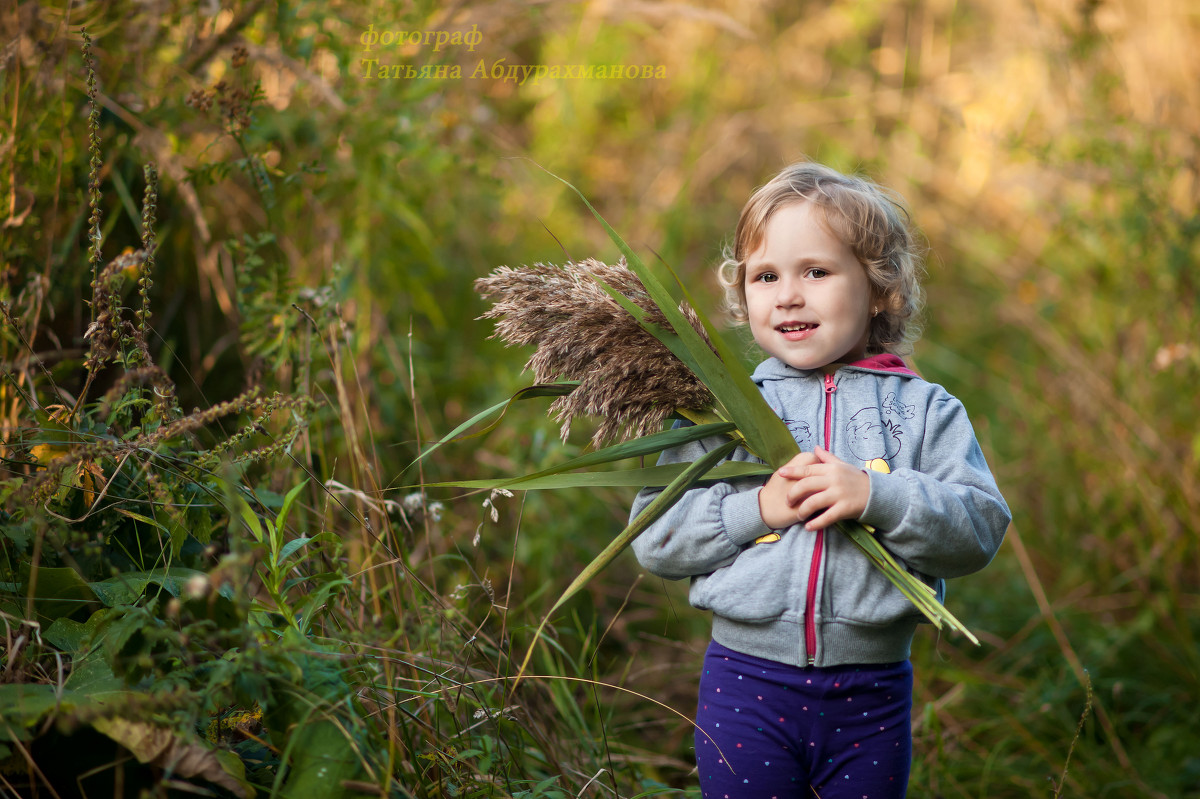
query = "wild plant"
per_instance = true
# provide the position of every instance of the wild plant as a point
(139, 555)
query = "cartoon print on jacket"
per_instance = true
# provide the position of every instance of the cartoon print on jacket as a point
(801, 433)
(893, 406)
(873, 438)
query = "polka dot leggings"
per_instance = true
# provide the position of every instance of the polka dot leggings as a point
(784, 732)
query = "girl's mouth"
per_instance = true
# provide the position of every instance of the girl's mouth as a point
(796, 331)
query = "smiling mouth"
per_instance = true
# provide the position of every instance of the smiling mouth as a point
(796, 327)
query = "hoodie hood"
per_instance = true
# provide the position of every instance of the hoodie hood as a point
(886, 362)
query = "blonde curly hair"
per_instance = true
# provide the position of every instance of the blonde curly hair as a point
(869, 219)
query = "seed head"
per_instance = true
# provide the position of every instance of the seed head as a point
(627, 377)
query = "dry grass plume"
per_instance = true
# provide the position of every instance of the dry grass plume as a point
(627, 377)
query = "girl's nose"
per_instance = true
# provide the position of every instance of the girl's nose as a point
(789, 294)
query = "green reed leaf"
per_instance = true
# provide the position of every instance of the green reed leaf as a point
(529, 392)
(918, 592)
(652, 444)
(636, 478)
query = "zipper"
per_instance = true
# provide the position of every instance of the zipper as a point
(814, 568)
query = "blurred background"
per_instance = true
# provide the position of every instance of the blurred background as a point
(333, 178)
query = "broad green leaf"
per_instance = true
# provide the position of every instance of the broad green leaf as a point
(666, 498)
(322, 757)
(24, 704)
(251, 521)
(67, 634)
(290, 547)
(91, 676)
(60, 591)
(124, 589)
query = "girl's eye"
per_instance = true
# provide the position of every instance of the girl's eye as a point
(766, 277)
(817, 273)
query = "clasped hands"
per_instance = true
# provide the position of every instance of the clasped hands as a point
(816, 482)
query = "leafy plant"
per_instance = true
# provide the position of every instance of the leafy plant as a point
(111, 543)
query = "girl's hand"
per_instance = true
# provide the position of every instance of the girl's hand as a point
(777, 510)
(827, 486)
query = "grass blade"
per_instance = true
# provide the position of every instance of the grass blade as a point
(918, 592)
(637, 478)
(529, 392)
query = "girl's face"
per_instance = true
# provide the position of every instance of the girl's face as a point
(808, 298)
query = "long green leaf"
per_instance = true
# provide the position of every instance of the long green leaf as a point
(648, 476)
(651, 444)
(918, 592)
(529, 392)
(668, 497)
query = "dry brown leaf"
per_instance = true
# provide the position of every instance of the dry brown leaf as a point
(162, 747)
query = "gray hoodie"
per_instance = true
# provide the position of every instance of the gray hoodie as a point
(812, 598)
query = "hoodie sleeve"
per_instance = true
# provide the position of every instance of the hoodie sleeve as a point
(706, 529)
(948, 518)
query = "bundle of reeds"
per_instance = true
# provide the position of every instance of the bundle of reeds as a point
(618, 346)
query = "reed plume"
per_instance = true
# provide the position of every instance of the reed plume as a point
(627, 377)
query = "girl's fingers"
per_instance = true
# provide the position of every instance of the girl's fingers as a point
(825, 456)
(832, 513)
(820, 522)
(815, 502)
(799, 472)
(795, 467)
(804, 488)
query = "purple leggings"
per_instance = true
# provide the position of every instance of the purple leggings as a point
(786, 732)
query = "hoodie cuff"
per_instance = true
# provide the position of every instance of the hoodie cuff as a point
(741, 517)
(887, 503)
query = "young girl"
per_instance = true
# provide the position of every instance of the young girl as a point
(807, 687)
